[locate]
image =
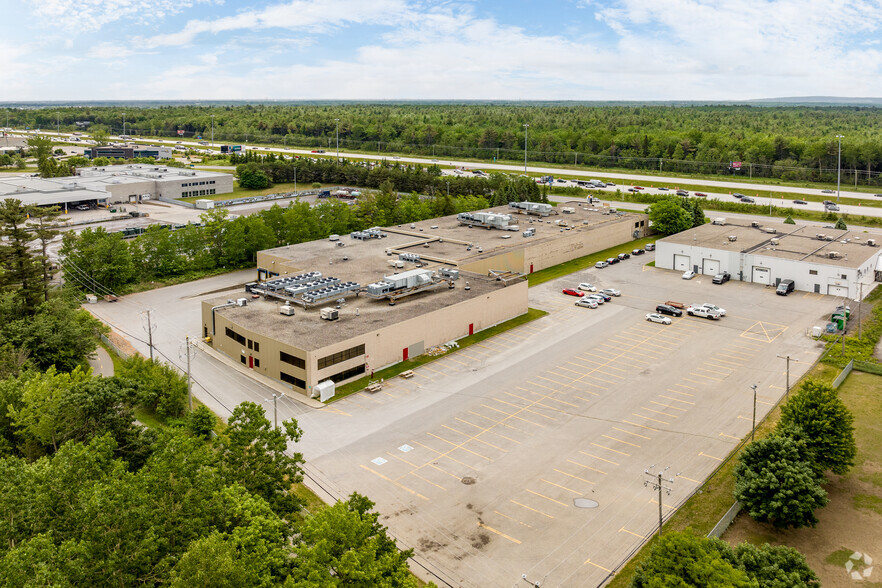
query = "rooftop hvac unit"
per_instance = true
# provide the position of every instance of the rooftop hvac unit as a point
(733, 238)
(568, 210)
(286, 310)
(832, 254)
(771, 230)
(821, 237)
(330, 314)
(775, 241)
(242, 302)
(871, 242)
(334, 238)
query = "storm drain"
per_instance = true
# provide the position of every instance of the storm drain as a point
(468, 480)
(585, 503)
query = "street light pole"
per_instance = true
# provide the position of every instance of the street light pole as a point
(337, 120)
(753, 428)
(526, 126)
(838, 166)
(212, 130)
(124, 123)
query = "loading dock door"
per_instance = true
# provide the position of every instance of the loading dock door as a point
(761, 275)
(837, 290)
(710, 267)
(681, 262)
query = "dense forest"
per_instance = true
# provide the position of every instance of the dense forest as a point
(785, 142)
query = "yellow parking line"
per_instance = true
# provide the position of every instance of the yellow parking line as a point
(715, 371)
(503, 535)
(609, 461)
(445, 455)
(587, 467)
(524, 408)
(586, 399)
(696, 382)
(690, 479)
(659, 412)
(620, 441)
(474, 438)
(678, 392)
(456, 361)
(561, 487)
(729, 436)
(546, 497)
(667, 406)
(676, 399)
(576, 477)
(425, 367)
(631, 532)
(515, 441)
(685, 386)
(654, 501)
(703, 454)
(545, 514)
(718, 366)
(588, 561)
(501, 423)
(416, 475)
(460, 446)
(596, 378)
(402, 486)
(641, 426)
(630, 433)
(552, 381)
(740, 361)
(513, 519)
(514, 416)
(545, 396)
(708, 377)
(650, 418)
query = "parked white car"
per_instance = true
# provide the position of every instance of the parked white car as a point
(587, 287)
(689, 275)
(611, 292)
(601, 264)
(596, 298)
(657, 318)
(722, 311)
(587, 303)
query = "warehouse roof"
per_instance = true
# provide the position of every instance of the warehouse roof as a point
(848, 248)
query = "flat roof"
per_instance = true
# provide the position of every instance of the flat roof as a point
(794, 242)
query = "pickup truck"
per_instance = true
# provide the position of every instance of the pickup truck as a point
(701, 311)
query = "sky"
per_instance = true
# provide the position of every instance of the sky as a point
(439, 49)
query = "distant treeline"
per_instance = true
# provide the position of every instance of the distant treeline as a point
(785, 142)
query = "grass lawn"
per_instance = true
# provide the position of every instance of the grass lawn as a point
(390, 372)
(580, 263)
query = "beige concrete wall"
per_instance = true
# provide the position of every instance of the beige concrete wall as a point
(512, 261)
(173, 188)
(578, 243)
(121, 192)
(278, 263)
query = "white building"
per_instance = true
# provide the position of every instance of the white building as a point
(824, 261)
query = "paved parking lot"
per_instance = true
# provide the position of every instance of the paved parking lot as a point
(476, 461)
(576, 405)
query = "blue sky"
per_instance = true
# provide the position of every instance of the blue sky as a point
(439, 49)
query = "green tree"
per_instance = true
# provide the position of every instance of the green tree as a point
(682, 560)
(41, 561)
(160, 387)
(789, 220)
(777, 482)
(345, 545)
(43, 226)
(97, 261)
(775, 566)
(252, 178)
(5, 160)
(254, 454)
(19, 269)
(19, 162)
(826, 423)
(668, 217)
(200, 421)
(840, 224)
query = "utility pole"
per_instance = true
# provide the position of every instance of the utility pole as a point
(789, 359)
(124, 123)
(189, 380)
(860, 301)
(275, 408)
(838, 166)
(753, 427)
(337, 120)
(149, 332)
(212, 141)
(656, 482)
(526, 127)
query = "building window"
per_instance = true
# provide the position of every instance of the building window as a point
(235, 336)
(250, 345)
(844, 277)
(256, 362)
(242, 357)
(292, 359)
(340, 356)
(296, 382)
(346, 374)
(813, 272)
(256, 346)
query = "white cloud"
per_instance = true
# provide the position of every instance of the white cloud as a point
(91, 15)
(311, 15)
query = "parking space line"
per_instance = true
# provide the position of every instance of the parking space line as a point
(563, 504)
(576, 477)
(703, 454)
(425, 367)
(678, 392)
(641, 426)
(503, 535)
(719, 366)
(715, 371)
(513, 519)
(535, 402)
(650, 418)
(623, 529)
(514, 416)
(547, 397)
(400, 485)
(416, 475)
(500, 423)
(654, 501)
(515, 441)
(461, 446)
(630, 433)
(609, 461)
(596, 378)
(708, 377)
(560, 367)
(676, 399)
(659, 412)
(576, 492)
(552, 381)
(729, 436)
(456, 361)
(545, 514)
(586, 399)
(738, 363)
(474, 438)
(667, 406)
(696, 382)
(581, 465)
(445, 455)
(620, 441)
(588, 561)
(524, 408)
(687, 387)
(685, 478)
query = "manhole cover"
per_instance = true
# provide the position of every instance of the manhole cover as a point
(585, 503)
(468, 480)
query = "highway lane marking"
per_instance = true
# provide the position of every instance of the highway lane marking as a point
(563, 504)
(402, 486)
(582, 465)
(576, 477)
(545, 514)
(501, 534)
(609, 461)
(513, 519)
(630, 433)
(620, 441)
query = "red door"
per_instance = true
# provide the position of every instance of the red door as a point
(251, 361)
(404, 353)
(471, 328)
(531, 268)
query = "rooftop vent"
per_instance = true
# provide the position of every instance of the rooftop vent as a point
(733, 238)
(775, 241)
(871, 242)
(833, 254)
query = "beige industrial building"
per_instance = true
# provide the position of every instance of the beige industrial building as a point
(453, 280)
(115, 184)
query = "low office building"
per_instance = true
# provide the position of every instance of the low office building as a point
(115, 184)
(404, 289)
(820, 260)
(128, 151)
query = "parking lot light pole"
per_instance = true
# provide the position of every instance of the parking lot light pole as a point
(789, 359)
(337, 120)
(838, 166)
(753, 427)
(526, 126)
(212, 130)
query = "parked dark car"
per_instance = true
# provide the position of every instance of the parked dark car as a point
(665, 309)
(612, 260)
(784, 287)
(624, 256)
(638, 252)
(606, 297)
(721, 278)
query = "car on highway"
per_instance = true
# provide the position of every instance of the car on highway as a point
(638, 252)
(827, 191)
(587, 303)
(748, 199)
(434, 161)
(797, 201)
(638, 187)
(738, 195)
(878, 195)
(683, 193)
(668, 309)
(700, 195)
(633, 190)
(609, 184)
(571, 292)
(721, 278)
(587, 287)
(601, 264)
(663, 189)
(688, 275)
(722, 311)
(611, 292)
(657, 318)
(832, 207)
